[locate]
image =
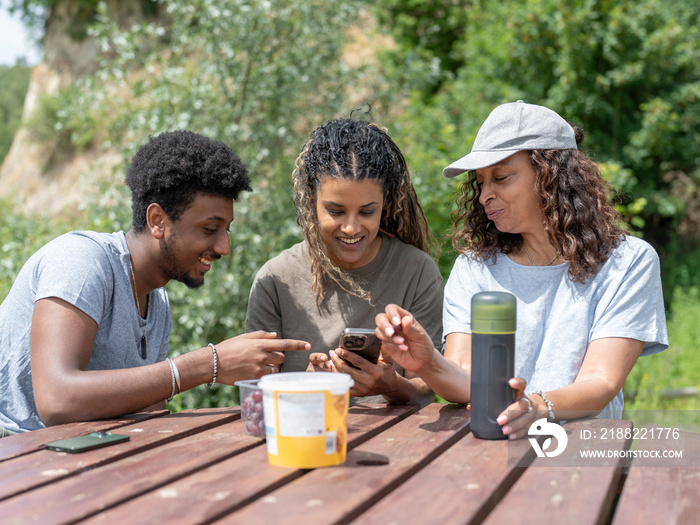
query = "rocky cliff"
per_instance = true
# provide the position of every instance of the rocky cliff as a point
(36, 174)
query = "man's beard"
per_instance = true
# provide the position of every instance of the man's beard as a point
(169, 265)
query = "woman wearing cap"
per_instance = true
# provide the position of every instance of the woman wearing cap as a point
(534, 221)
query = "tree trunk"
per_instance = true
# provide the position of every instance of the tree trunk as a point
(36, 175)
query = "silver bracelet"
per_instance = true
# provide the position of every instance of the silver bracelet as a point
(172, 376)
(216, 366)
(177, 376)
(550, 407)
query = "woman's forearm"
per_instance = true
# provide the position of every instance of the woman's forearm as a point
(447, 379)
(413, 390)
(579, 399)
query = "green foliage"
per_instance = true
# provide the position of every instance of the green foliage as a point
(620, 69)
(425, 136)
(61, 119)
(427, 31)
(13, 88)
(680, 267)
(230, 72)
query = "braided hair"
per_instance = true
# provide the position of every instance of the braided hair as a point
(355, 150)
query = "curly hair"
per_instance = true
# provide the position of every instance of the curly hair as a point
(578, 218)
(355, 150)
(172, 168)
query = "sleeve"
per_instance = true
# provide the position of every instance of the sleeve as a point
(78, 271)
(633, 306)
(427, 305)
(264, 311)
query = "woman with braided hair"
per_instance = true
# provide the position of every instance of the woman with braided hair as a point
(366, 245)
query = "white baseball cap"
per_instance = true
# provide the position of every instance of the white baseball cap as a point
(514, 127)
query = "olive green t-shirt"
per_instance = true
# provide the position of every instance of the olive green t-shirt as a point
(281, 299)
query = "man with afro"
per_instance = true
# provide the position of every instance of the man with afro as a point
(84, 331)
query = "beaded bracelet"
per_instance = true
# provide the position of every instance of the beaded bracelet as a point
(216, 366)
(172, 376)
(550, 407)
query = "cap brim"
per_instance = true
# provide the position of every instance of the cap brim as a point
(476, 160)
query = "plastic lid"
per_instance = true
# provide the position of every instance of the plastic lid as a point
(250, 383)
(493, 313)
(335, 383)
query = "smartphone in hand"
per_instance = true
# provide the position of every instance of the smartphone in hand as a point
(362, 341)
(86, 442)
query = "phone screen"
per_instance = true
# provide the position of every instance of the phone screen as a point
(86, 442)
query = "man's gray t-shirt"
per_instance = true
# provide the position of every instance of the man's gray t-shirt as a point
(557, 318)
(92, 272)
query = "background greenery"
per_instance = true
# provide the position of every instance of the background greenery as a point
(261, 75)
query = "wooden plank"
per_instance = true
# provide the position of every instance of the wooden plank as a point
(662, 494)
(82, 495)
(460, 486)
(46, 466)
(367, 420)
(27, 442)
(337, 494)
(569, 488)
(233, 483)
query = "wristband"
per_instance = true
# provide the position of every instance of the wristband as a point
(216, 365)
(550, 407)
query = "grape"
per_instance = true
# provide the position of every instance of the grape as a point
(252, 414)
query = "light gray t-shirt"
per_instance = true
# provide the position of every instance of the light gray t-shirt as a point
(557, 318)
(92, 272)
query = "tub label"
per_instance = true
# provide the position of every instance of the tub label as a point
(301, 414)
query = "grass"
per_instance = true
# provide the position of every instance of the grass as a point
(676, 367)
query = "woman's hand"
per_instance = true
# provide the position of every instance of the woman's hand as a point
(517, 417)
(404, 339)
(370, 379)
(373, 379)
(319, 362)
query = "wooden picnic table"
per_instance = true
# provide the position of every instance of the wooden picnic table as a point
(405, 465)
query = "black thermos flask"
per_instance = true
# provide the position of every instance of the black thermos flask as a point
(493, 359)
